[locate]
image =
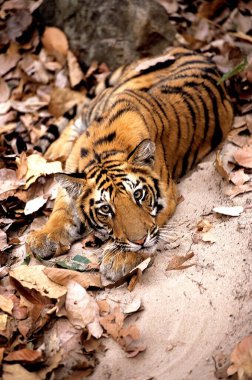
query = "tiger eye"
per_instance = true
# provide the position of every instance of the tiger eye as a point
(138, 194)
(106, 209)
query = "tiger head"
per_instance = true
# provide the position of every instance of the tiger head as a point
(120, 198)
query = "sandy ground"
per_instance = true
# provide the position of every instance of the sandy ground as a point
(194, 315)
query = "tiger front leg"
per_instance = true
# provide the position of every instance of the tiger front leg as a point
(117, 264)
(62, 228)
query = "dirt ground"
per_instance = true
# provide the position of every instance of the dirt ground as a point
(192, 318)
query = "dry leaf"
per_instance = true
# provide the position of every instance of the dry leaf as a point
(65, 337)
(204, 225)
(9, 182)
(6, 304)
(33, 277)
(127, 337)
(8, 61)
(236, 190)
(17, 372)
(177, 262)
(55, 42)
(3, 240)
(82, 309)
(244, 156)
(63, 99)
(239, 177)
(63, 276)
(230, 211)
(134, 306)
(38, 166)
(3, 321)
(4, 91)
(34, 205)
(24, 355)
(34, 69)
(30, 105)
(208, 237)
(241, 359)
(219, 166)
(75, 73)
(103, 306)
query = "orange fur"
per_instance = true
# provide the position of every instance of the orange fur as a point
(159, 119)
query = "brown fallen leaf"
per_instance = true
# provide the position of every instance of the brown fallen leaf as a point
(3, 240)
(63, 276)
(55, 42)
(103, 306)
(65, 337)
(9, 60)
(24, 355)
(239, 177)
(4, 91)
(219, 166)
(236, 190)
(238, 136)
(63, 99)
(244, 156)
(75, 72)
(38, 166)
(133, 307)
(30, 105)
(9, 182)
(33, 277)
(6, 304)
(3, 321)
(204, 225)
(2, 349)
(177, 262)
(208, 237)
(82, 309)
(128, 337)
(241, 359)
(17, 372)
(34, 69)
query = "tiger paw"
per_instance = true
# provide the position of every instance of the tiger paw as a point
(45, 244)
(116, 265)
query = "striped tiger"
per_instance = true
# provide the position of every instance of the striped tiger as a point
(150, 123)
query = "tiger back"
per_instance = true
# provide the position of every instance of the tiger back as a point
(151, 122)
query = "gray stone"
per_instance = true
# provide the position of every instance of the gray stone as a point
(111, 31)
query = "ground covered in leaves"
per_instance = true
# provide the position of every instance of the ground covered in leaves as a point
(55, 316)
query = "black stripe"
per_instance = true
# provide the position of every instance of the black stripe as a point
(157, 66)
(102, 183)
(110, 153)
(105, 139)
(92, 162)
(140, 98)
(54, 130)
(84, 152)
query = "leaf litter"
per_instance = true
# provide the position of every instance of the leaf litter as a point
(39, 82)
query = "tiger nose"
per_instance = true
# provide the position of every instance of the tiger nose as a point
(140, 241)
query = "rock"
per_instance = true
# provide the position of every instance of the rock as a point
(111, 31)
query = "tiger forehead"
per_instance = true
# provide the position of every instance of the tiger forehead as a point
(112, 187)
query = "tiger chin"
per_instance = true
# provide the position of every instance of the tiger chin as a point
(155, 120)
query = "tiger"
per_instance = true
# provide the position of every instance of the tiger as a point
(150, 122)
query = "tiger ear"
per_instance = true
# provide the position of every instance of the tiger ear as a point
(143, 154)
(73, 185)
